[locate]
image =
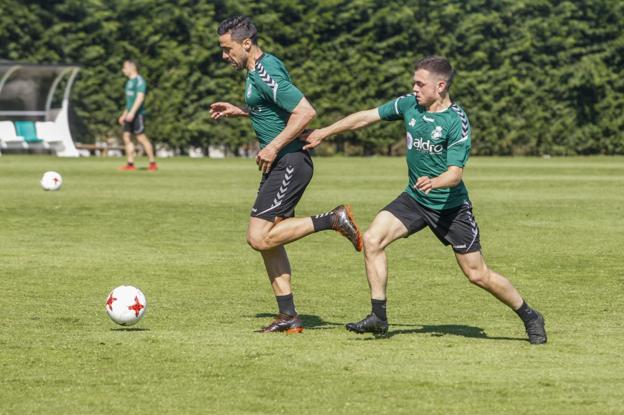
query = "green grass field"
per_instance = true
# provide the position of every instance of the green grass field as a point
(554, 227)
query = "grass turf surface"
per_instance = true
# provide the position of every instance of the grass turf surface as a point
(554, 227)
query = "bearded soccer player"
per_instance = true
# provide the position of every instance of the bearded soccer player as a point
(279, 112)
(438, 145)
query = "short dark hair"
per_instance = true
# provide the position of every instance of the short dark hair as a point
(133, 62)
(439, 66)
(240, 27)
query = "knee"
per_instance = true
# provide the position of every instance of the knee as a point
(256, 243)
(372, 242)
(478, 276)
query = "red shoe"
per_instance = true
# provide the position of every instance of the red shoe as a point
(128, 167)
(153, 166)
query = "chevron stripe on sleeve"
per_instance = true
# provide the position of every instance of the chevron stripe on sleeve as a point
(464, 124)
(266, 78)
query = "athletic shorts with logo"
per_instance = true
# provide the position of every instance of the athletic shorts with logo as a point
(136, 126)
(455, 226)
(283, 186)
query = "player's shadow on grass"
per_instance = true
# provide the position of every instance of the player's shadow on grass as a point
(310, 322)
(447, 329)
(130, 329)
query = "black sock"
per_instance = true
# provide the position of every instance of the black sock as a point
(525, 312)
(322, 221)
(286, 304)
(379, 308)
(130, 163)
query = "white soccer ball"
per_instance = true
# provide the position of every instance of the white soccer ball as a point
(51, 180)
(126, 305)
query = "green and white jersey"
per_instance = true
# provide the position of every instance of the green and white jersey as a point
(133, 87)
(271, 97)
(435, 140)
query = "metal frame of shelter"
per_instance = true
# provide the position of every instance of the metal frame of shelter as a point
(22, 97)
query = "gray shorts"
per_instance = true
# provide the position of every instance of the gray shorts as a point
(456, 226)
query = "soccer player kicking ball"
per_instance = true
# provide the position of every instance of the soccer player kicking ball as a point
(438, 145)
(279, 112)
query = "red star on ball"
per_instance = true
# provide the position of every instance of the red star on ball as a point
(136, 307)
(110, 301)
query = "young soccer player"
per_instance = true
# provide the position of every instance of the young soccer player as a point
(438, 145)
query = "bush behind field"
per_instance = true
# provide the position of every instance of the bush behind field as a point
(535, 77)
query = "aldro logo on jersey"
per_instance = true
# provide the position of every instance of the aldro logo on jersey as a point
(423, 146)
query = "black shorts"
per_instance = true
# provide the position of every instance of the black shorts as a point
(456, 226)
(281, 188)
(136, 126)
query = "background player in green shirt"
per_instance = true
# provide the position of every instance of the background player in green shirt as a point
(438, 145)
(279, 112)
(133, 117)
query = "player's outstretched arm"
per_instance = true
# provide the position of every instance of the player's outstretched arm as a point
(351, 122)
(225, 109)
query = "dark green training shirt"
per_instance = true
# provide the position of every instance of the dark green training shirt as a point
(271, 97)
(435, 141)
(133, 87)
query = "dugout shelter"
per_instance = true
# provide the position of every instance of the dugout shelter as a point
(34, 104)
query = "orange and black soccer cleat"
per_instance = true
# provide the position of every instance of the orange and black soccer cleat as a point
(344, 223)
(284, 323)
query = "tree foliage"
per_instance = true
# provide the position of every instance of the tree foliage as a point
(535, 76)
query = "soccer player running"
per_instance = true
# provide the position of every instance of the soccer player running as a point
(279, 112)
(133, 117)
(438, 145)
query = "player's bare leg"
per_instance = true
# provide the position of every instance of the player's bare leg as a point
(263, 235)
(474, 267)
(278, 269)
(147, 146)
(478, 273)
(129, 145)
(149, 149)
(279, 272)
(384, 230)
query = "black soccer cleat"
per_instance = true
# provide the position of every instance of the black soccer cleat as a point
(344, 223)
(284, 323)
(370, 324)
(535, 329)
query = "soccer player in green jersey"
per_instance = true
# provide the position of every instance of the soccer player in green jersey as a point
(438, 145)
(279, 112)
(133, 117)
